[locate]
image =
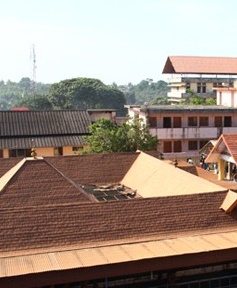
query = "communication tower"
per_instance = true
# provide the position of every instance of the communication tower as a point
(33, 68)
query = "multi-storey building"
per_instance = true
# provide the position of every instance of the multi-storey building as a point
(183, 130)
(198, 75)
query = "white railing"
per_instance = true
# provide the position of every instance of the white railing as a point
(187, 133)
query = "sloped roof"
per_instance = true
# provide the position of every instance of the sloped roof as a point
(95, 168)
(229, 202)
(226, 144)
(208, 175)
(90, 224)
(35, 182)
(125, 253)
(44, 219)
(161, 179)
(45, 128)
(200, 65)
(41, 141)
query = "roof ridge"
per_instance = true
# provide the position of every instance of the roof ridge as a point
(10, 173)
(90, 197)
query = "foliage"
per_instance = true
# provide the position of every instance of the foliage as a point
(86, 93)
(35, 102)
(193, 99)
(108, 137)
(11, 93)
(145, 91)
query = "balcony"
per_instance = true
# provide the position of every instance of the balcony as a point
(190, 132)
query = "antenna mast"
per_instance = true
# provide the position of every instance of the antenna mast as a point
(33, 69)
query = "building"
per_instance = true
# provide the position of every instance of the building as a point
(102, 220)
(199, 75)
(96, 114)
(53, 133)
(183, 130)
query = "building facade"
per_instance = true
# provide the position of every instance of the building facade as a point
(198, 75)
(183, 130)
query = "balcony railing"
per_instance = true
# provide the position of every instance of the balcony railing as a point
(191, 132)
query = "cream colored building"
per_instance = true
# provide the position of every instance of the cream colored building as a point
(183, 130)
(49, 133)
(198, 75)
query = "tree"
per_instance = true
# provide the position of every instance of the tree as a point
(86, 93)
(108, 137)
(35, 102)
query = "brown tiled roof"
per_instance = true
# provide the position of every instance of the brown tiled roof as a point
(200, 65)
(208, 175)
(7, 163)
(43, 123)
(107, 223)
(36, 183)
(227, 144)
(95, 168)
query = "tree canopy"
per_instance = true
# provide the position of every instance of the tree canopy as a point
(108, 137)
(86, 93)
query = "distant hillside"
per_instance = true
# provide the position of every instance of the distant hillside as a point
(15, 94)
(12, 92)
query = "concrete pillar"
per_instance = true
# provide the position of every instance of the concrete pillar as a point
(221, 168)
(229, 171)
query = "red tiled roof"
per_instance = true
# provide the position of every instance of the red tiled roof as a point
(200, 65)
(7, 163)
(208, 175)
(94, 168)
(36, 183)
(95, 224)
(227, 143)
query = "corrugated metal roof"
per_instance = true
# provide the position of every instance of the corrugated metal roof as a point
(81, 258)
(43, 123)
(43, 141)
(201, 65)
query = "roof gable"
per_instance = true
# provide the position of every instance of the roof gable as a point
(200, 65)
(162, 179)
(226, 145)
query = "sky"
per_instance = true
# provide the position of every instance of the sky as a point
(115, 41)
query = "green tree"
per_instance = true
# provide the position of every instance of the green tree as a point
(86, 93)
(108, 137)
(35, 102)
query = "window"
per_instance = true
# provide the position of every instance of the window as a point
(203, 121)
(177, 122)
(153, 122)
(167, 122)
(167, 146)
(227, 121)
(58, 151)
(188, 87)
(202, 143)
(201, 87)
(192, 145)
(177, 146)
(218, 121)
(20, 153)
(192, 121)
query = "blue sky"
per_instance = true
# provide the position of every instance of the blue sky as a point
(117, 41)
